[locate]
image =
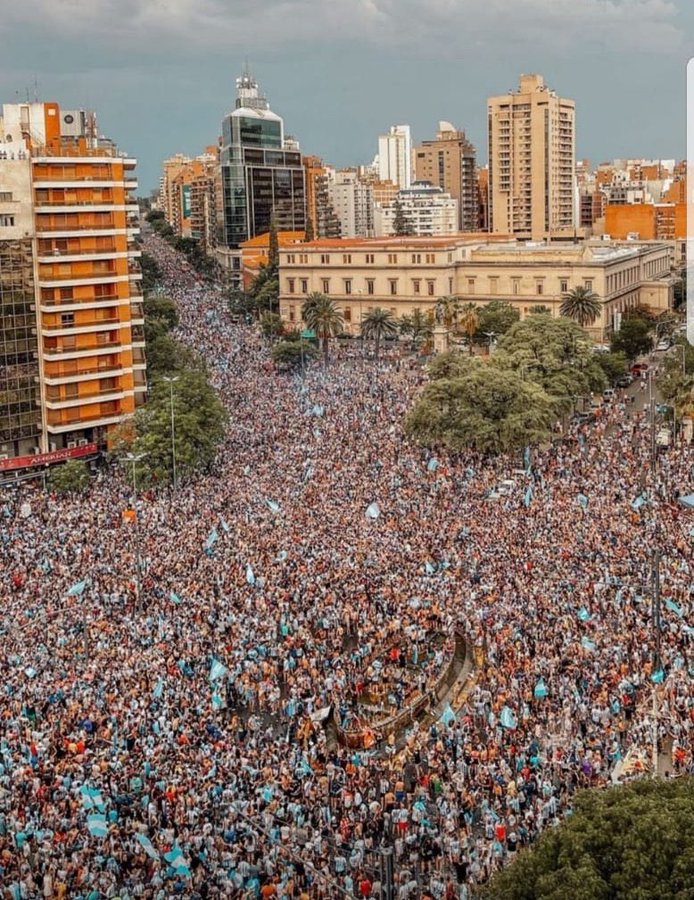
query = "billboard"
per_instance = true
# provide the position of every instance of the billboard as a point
(185, 201)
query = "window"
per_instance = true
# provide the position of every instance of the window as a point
(516, 285)
(303, 258)
(369, 259)
(291, 314)
(563, 285)
(66, 293)
(393, 283)
(347, 312)
(588, 284)
(430, 288)
(450, 285)
(450, 257)
(493, 284)
(291, 258)
(392, 259)
(5, 196)
(67, 320)
(416, 284)
(539, 288)
(290, 285)
(326, 285)
(304, 286)
(471, 285)
(369, 286)
(416, 258)
(431, 258)
(7, 221)
(325, 259)
(348, 285)
(347, 259)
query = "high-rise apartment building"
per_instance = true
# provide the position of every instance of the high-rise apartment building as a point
(532, 162)
(450, 162)
(262, 175)
(395, 156)
(352, 198)
(319, 208)
(71, 314)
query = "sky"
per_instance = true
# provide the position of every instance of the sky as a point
(161, 73)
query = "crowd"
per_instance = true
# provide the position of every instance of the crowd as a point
(176, 747)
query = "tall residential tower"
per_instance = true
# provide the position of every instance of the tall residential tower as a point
(532, 162)
(450, 162)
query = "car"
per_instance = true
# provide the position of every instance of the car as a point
(663, 437)
(639, 369)
(601, 348)
(580, 417)
(663, 345)
(624, 381)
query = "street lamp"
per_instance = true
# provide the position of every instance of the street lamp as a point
(361, 322)
(134, 459)
(170, 379)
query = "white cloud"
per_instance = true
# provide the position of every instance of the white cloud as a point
(447, 26)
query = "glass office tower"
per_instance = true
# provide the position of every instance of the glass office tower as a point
(262, 174)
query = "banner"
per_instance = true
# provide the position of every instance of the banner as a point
(42, 459)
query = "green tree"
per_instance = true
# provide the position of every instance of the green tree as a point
(273, 253)
(633, 338)
(322, 316)
(666, 323)
(418, 326)
(680, 290)
(469, 321)
(199, 420)
(162, 308)
(582, 305)
(271, 325)
(452, 364)
(309, 234)
(556, 353)
(401, 224)
(641, 311)
(612, 364)
(166, 356)
(292, 355)
(676, 383)
(71, 477)
(151, 272)
(265, 290)
(154, 215)
(379, 324)
(495, 317)
(488, 409)
(448, 309)
(539, 309)
(633, 842)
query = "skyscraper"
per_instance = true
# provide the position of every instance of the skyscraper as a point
(450, 162)
(532, 162)
(72, 362)
(262, 176)
(395, 156)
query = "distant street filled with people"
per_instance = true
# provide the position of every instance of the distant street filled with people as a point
(175, 742)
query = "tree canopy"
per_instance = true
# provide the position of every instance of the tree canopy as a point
(498, 317)
(676, 383)
(417, 325)
(379, 324)
(487, 408)
(291, 355)
(322, 316)
(633, 842)
(71, 477)
(582, 305)
(633, 338)
(401, 223)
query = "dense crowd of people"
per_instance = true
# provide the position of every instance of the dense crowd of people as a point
(176, 747)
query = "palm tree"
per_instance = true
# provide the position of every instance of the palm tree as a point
(449, 309)
(418, 325)
(378, 324)
(469, 321)
(582, 305)
(322, 316)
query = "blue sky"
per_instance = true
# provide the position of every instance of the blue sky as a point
(160, 73)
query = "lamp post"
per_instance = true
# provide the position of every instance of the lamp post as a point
(134, 459)
(170, 379)
(361, 323)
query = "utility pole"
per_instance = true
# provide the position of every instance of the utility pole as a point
(654, 449)
(387, 888)
(655, 610)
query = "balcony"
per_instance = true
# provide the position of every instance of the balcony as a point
(75, 303)
(79, 206)
(57, 353)
(86, 375)
(84, 399)
(51, 257)
(68, 229)
(75, 281)
(60, 330)
(86, 422)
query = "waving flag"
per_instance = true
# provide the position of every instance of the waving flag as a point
(273, 505)
(92, 798)
(217, 670)
(673, 607)
(448, 715)
(529, 494)
(373, 511)
(432, 465)
(527, 462)
(658, 676)
(175, 859)
(587, 644)
(147, 846)
(96, 825)
(583, 614)
(541, 689)
(212, 539)
(225, 525)
(507, 719)
(77, 588)
(583, 500)
(250, 575)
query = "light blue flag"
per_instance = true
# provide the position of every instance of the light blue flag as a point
(216, 700)
(175, 859)
(583, 614)
(541, 689)
(527, 462)
(673, 607)
(212, 539)
(432, 465)
(587, 644)
(158, 689)
(147, 846)
(428, 568)
(174, 598)
(77, 588)
(217, 670)
(658, 676)
(96, 825)
(273, 505)
(250, 575)
(225, 525)
(507, 719)
(638, 502)
(583, 500)
(304, 766)
(448, 715)
(92, 798)
(281, 556)
(529, 494)
(318, 410)
(373, 511)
